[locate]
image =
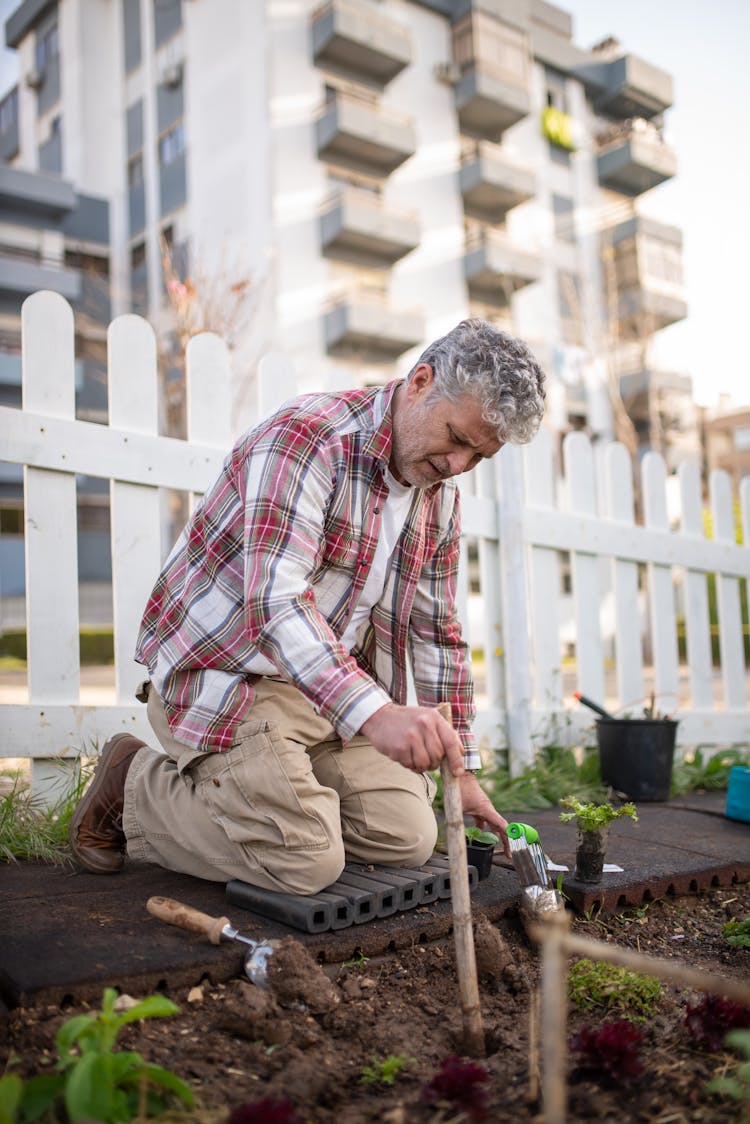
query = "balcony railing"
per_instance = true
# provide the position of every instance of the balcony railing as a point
(363, 136)
(362, 321)
(633, 157)
(355, 37)
(496, 268)
(491, 183)
(358, 225)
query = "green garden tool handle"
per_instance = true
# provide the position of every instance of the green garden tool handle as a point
(525, 830)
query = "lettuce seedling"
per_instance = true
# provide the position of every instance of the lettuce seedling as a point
(613, 1049)
(460, 1084)
(265, 1111)
(709, 1020)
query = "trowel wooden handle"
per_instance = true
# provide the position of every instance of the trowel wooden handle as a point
(185, 917)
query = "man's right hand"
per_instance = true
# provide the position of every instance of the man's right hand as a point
(418, 737)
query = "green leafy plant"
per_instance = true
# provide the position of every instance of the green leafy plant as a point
(476, 835)
(93, 1081)
(556, 770)
(593, 817)
(357, 961)
(737, 1083)
(595, 984)
(737, 933)
(32, 829)
(386, 1071)
(11, 1092)
(706, 771)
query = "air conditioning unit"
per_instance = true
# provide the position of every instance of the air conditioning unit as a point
(448, 72)
(34, 79)
(171, 75)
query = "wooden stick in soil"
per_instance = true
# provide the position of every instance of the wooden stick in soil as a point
(463, 936)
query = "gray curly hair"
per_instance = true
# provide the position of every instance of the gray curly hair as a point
(496, 367)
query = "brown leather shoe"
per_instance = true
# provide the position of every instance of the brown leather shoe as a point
(95, 834)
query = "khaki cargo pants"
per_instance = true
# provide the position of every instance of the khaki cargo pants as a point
(283, 808)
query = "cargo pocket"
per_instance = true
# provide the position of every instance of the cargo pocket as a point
(262, 791)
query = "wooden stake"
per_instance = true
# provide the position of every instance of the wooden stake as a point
(463, 935)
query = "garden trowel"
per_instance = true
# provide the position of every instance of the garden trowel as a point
(538, 895)
(216, 929)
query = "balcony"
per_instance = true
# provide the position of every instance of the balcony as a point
(632, 87)
(495, 268)
(19, 279)
(487, 105)
(364, 322)
(634, 157)
(647, 259)
(358, 226)
(491, 184)
(354, 37)
(363, 136)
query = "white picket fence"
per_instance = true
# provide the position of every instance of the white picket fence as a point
(526, 521)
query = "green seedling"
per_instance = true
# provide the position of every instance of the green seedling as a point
(593, 817)
(737, 933)
(736, 1084)
(386, 1071)
(357, 961)
(93, 1081)
(592, 984)
(476, 835)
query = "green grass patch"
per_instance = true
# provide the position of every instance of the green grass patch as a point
(96, 646)
(32, 829)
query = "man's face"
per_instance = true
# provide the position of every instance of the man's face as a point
(436, 439)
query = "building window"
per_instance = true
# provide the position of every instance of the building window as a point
(47, 48)
(9, 111)
(167, 20)
(570, 305)
(742, 437)
(135, 170)
(564, 210)
(131, 25)
(171, 145)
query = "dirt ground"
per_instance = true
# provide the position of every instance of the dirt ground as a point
(306, 1039)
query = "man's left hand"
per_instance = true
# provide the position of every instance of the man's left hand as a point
(477, 803)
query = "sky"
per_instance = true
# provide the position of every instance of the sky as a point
(703, 44)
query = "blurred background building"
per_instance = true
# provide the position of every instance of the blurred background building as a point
(343, 182)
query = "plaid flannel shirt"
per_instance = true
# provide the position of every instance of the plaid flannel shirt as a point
(267, 572)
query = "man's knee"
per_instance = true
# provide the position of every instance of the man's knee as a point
(309, 872)
(419, 839)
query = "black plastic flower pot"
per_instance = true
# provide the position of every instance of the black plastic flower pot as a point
(590, 854)
(480, 856)
(636, 756)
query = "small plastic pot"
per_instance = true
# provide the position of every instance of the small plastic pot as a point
(480, 856)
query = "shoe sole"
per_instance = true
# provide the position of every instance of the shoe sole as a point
(83, 805)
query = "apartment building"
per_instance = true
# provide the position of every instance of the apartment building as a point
(344, 181)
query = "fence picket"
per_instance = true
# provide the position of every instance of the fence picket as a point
(620, 508)
(514, 588)
(579, 472)
(51, 521)
(697, 623)
(728, 598)
(135, 509)
(660, 588)
(544, 568)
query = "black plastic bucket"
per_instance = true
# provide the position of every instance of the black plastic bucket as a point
(636, 755)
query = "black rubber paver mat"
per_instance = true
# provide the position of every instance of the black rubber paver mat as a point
(66, 933)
